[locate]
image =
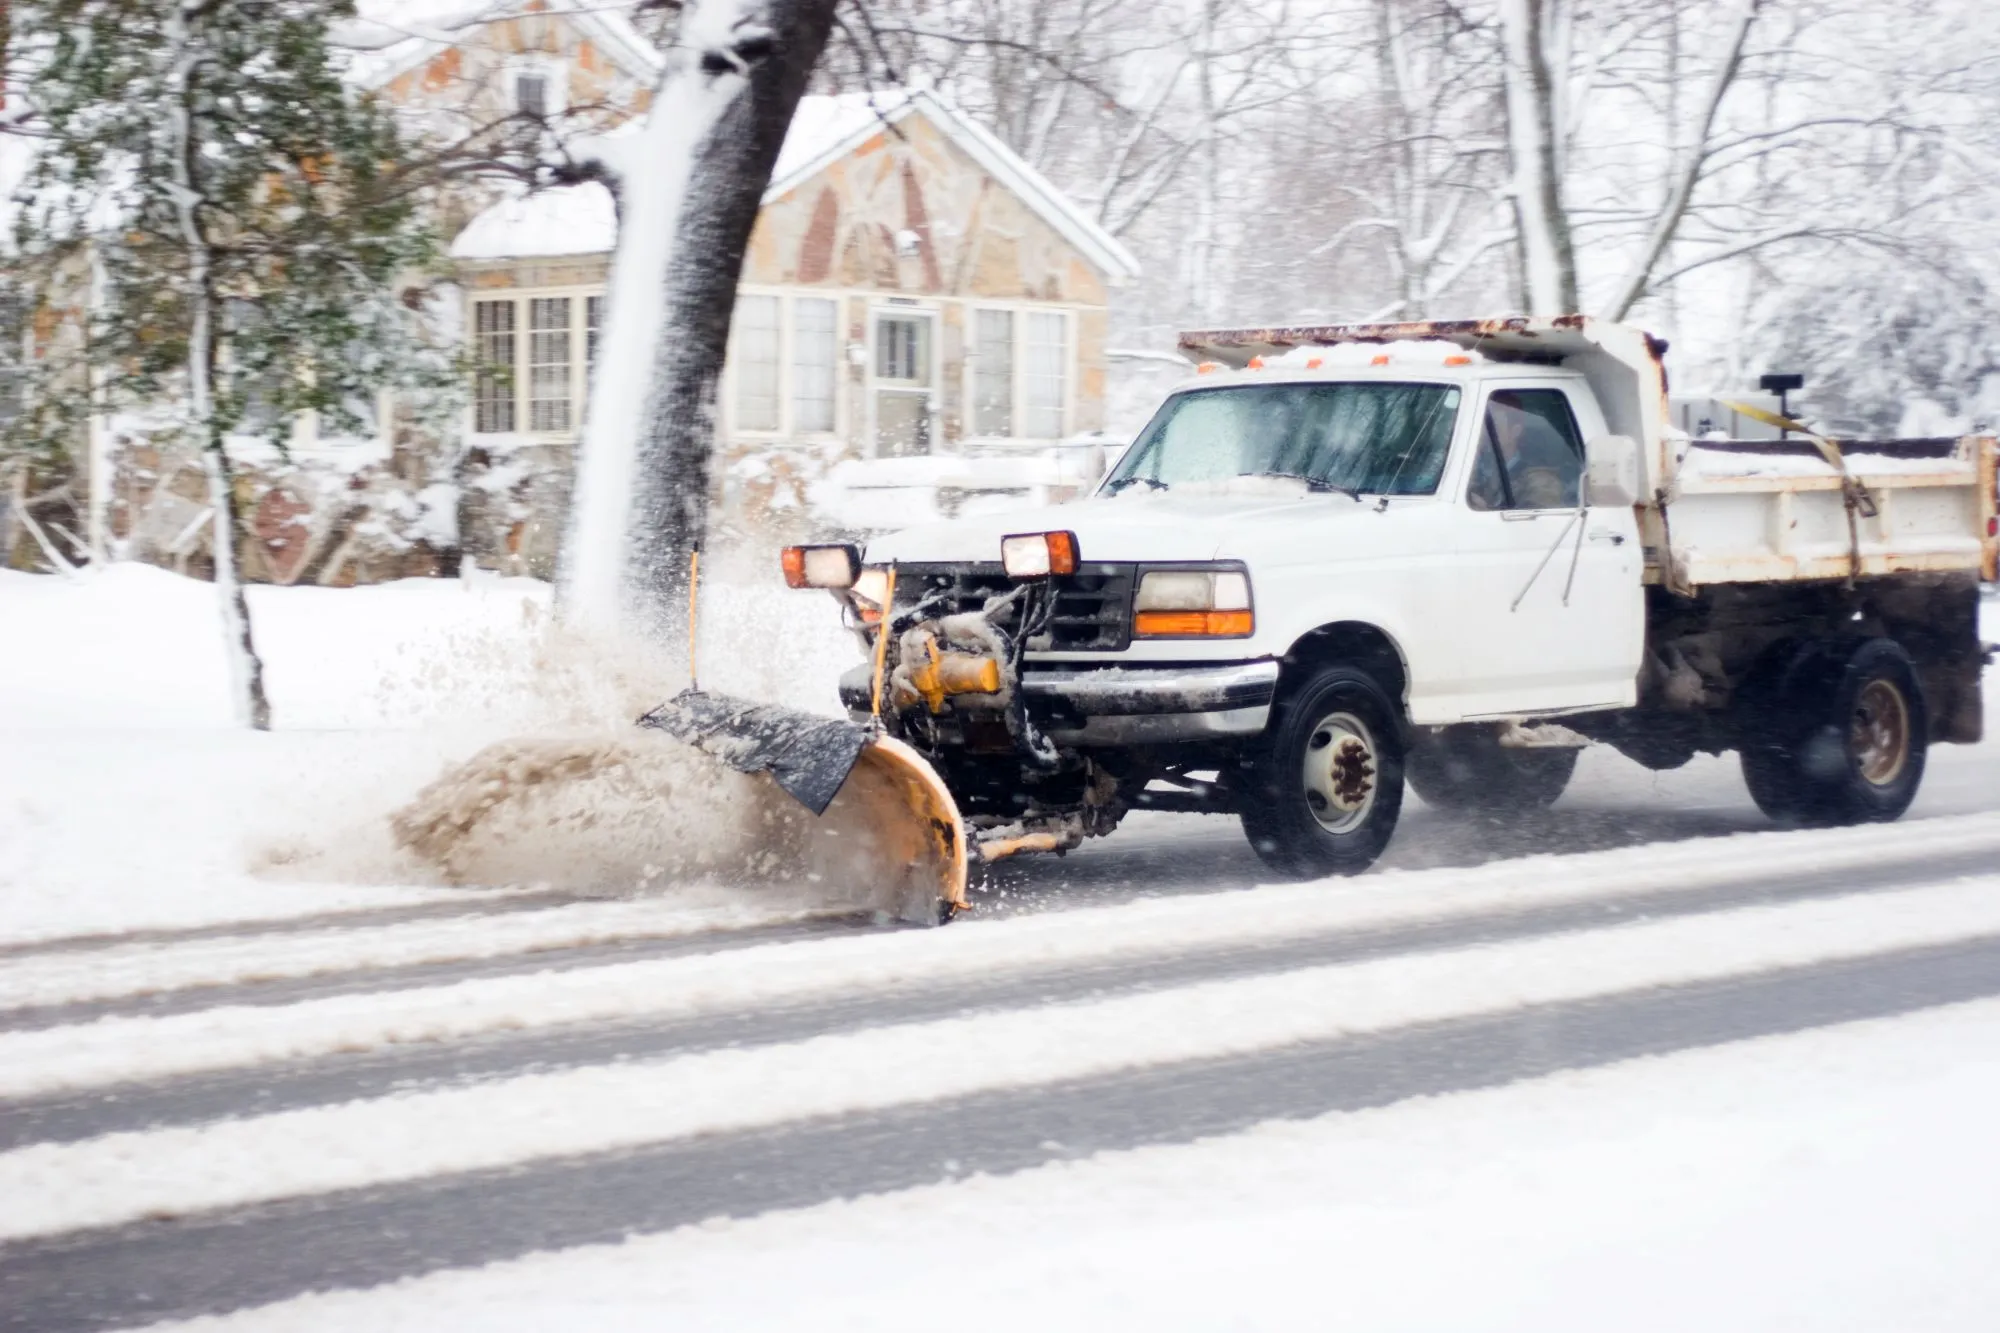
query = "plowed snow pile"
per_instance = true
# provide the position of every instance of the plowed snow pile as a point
(633, 811)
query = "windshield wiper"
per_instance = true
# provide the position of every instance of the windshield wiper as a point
(1122, 482)
(1318, 485)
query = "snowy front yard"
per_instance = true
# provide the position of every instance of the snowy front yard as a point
(130, 801)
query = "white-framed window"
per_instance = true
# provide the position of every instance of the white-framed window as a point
(783, 376)
(993, 372)
(537, 87)
(593, 324)
(13, 353)
(551, 368)
(533, 353)
(757, 357)
(815, 356)
(1018, 380)
(1044, 374)
(493, 349)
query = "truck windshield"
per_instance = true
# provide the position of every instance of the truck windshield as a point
(1382, 439)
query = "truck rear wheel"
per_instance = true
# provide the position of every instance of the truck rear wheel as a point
(1469, 770)
(1327, 784)
(1839, 737)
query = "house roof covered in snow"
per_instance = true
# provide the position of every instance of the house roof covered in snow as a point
(579, 219)
(568, 220)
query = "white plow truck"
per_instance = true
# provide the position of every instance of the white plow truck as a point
(1452, 554)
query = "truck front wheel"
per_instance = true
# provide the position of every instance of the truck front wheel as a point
(1326, 786)
(1839, 738)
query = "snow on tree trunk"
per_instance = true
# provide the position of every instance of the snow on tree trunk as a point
(246, 669)
(690, 187)
(1548, 257)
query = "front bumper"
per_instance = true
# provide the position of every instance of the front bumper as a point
(1133, 705)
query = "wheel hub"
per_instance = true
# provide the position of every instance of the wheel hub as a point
(1339, 772)
(1879, 732)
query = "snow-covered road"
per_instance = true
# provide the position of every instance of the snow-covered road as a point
(230, 1149)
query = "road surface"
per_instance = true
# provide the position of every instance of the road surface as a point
(1170, 1005)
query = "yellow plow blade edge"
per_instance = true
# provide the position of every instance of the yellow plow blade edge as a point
(909, 815)
(882, 797)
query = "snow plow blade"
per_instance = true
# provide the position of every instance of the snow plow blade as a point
(876, 785)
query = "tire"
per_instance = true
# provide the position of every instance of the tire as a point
(1469, 771)
(1326, 784)
(1838, 736)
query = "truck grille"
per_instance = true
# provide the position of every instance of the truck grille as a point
(1093, 611)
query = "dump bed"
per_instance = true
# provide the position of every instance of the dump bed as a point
(1722, 511)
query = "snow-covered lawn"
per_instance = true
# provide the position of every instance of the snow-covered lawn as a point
(129, 801)
(1835, 1180)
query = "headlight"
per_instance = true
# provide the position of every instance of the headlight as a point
(1036, 555)
(820, 566)
(1193, 604)
(871, 590)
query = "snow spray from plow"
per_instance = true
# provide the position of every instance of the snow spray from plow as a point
(889, 794)
(893, 797)
(829, 810)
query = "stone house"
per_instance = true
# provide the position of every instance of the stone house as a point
(912, 289)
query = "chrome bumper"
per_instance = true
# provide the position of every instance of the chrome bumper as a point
(1144, 705)
(1131, 705)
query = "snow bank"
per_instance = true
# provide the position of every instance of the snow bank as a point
(132, 803)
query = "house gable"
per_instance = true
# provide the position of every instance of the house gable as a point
(462, 64)
(867, 167)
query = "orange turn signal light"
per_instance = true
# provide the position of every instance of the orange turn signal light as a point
(1458, 361)
(1035, 555)
(1194, 624)
(1379, 359)
(820, 566)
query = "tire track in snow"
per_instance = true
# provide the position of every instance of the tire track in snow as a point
(250, 1256)
(467, 903)
(564, 946)
(264, 1088)
(55, 1188)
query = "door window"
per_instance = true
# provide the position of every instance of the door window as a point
(1530, 453)
(902, 385)
(902, 350)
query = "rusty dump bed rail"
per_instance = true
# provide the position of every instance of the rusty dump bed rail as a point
(1721, 511)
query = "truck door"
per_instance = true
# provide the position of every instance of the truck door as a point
(1552, 611)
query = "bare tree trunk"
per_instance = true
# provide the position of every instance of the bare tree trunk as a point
(689, 199)
(1548, 255)
(246, 669)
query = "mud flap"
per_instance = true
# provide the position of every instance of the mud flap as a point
(884, 788)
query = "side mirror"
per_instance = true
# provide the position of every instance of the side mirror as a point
(1614, 475)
